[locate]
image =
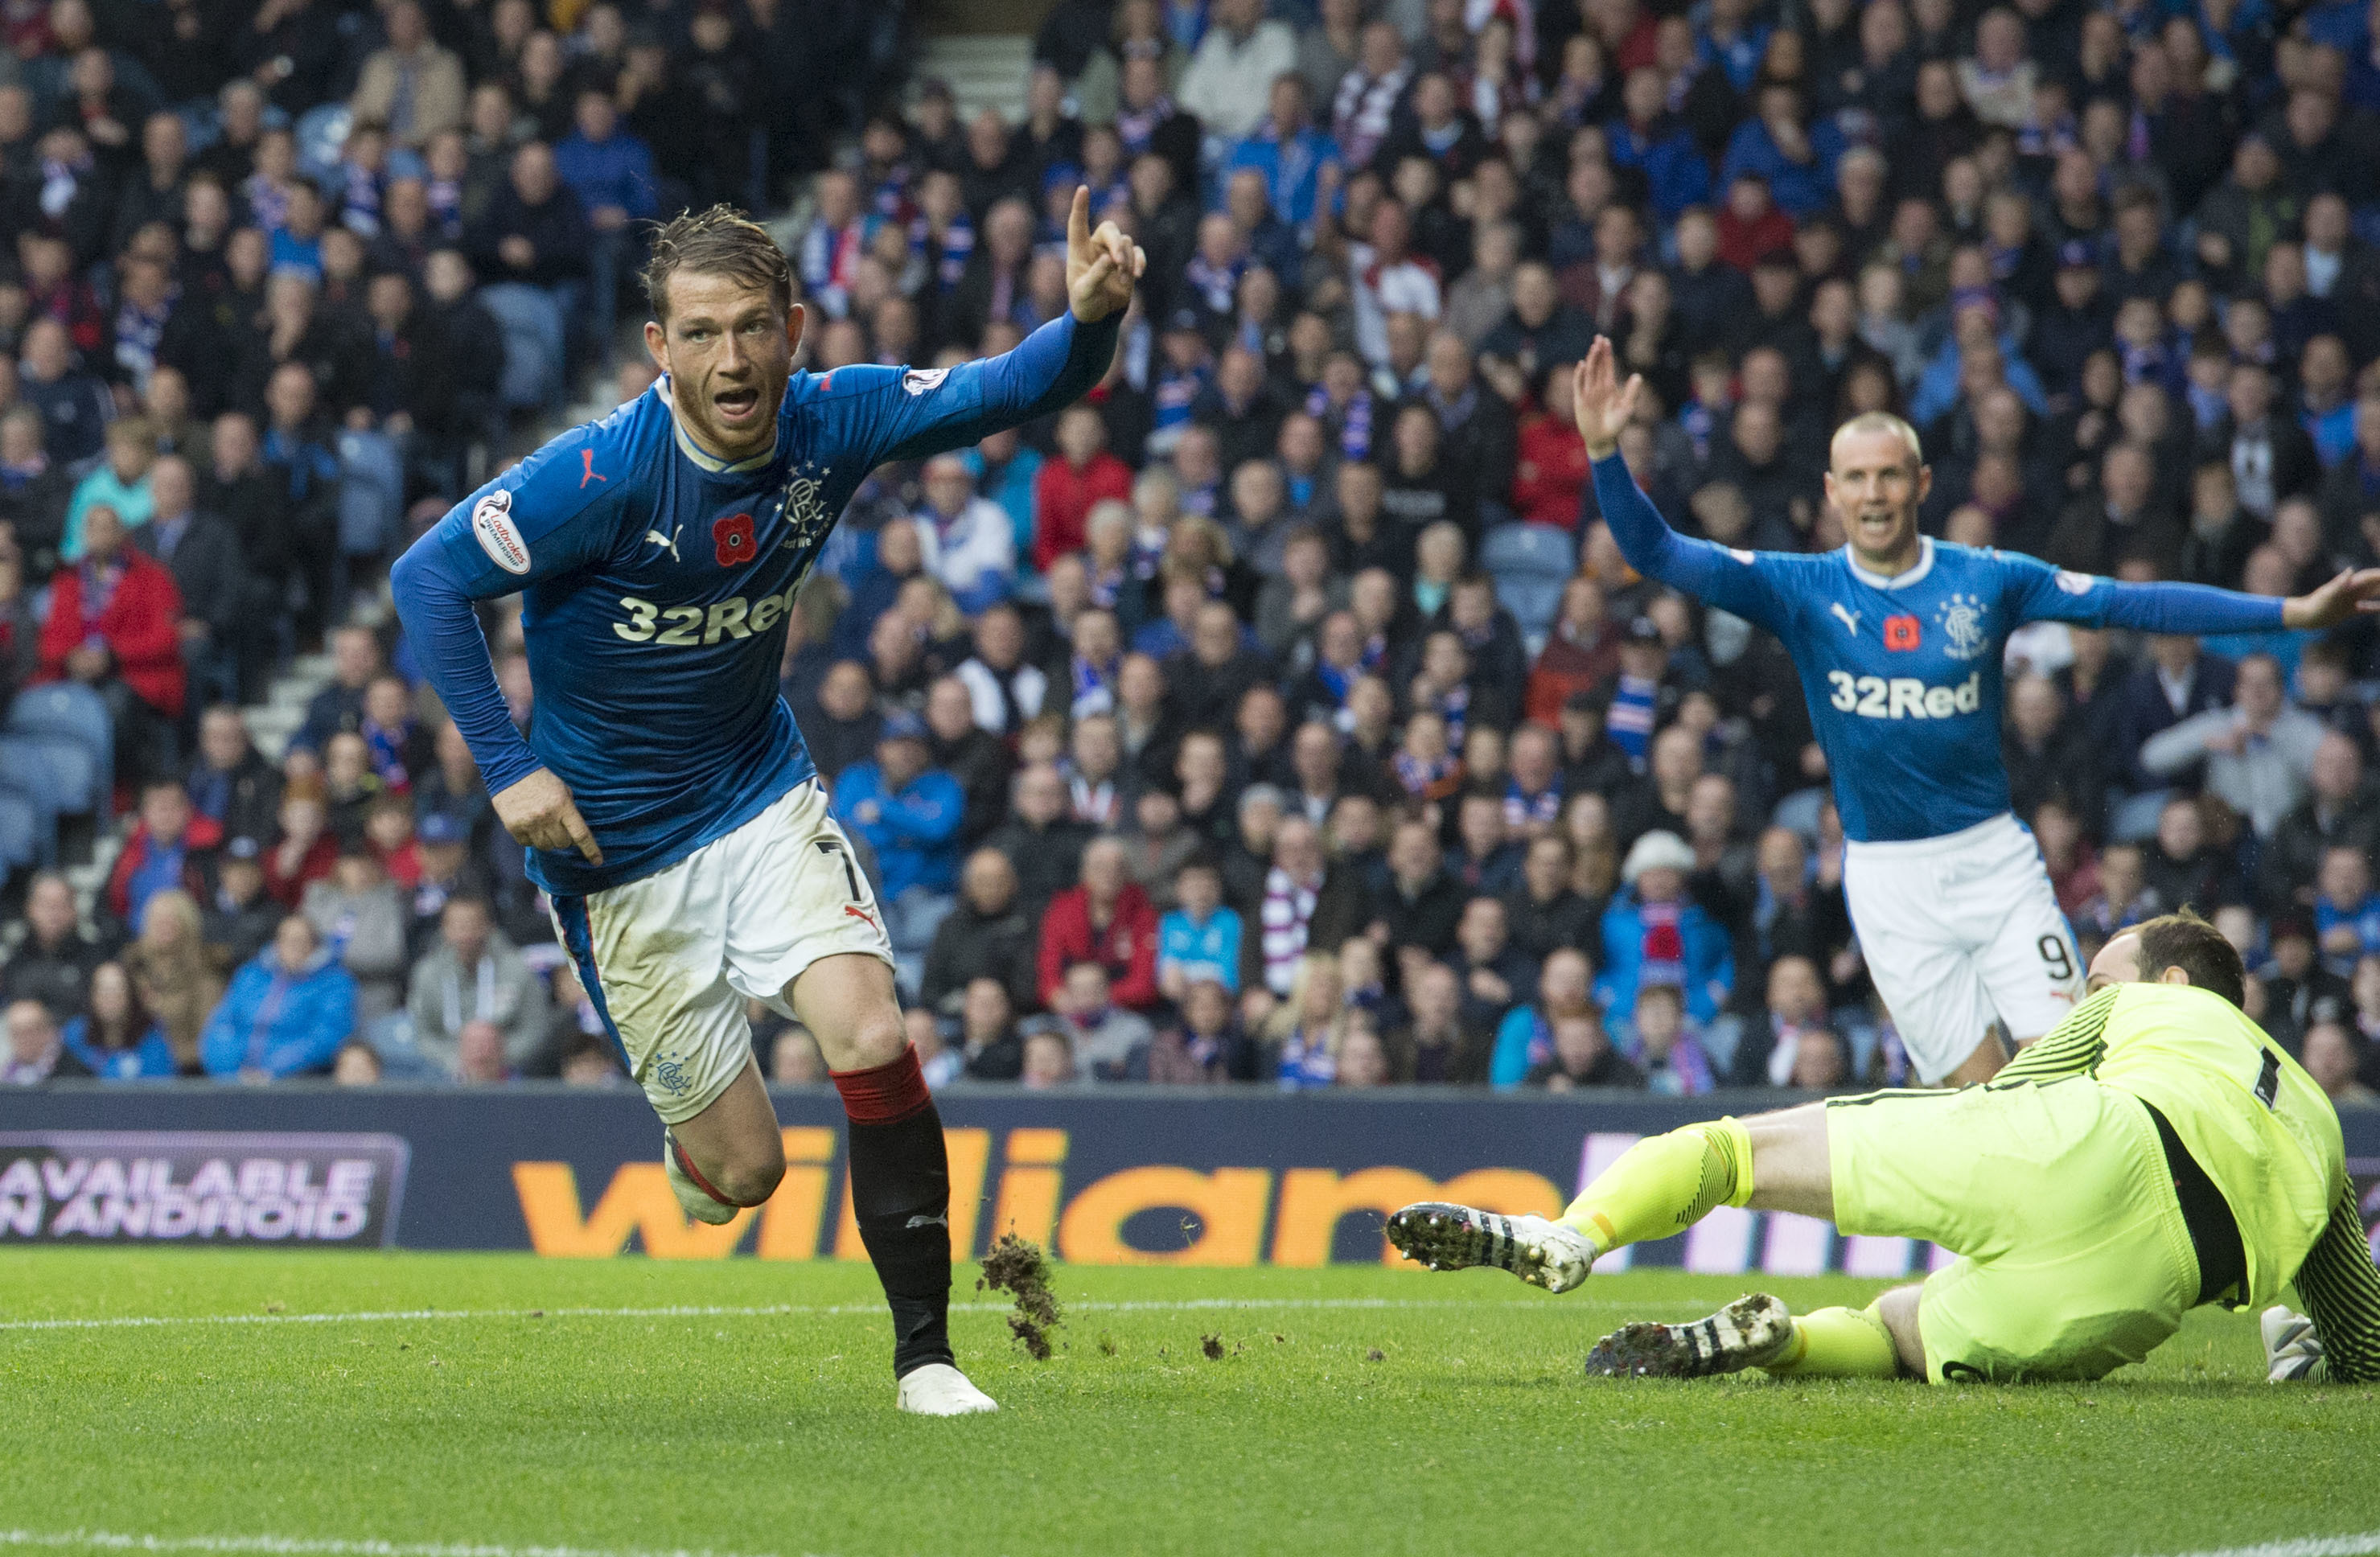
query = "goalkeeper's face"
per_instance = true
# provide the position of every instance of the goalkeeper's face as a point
(728, 349)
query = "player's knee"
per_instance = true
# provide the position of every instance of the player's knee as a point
(750, 1177)
(877, 1038)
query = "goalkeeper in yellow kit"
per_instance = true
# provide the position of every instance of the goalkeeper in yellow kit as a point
(2154, 1152)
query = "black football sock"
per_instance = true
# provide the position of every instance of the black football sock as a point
(900, 1198)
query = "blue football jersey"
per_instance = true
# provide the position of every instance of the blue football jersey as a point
(656, 583)
(1902, 675)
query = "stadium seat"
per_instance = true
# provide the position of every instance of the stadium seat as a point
(371, 494)
(1530, 564)
(65, 710)
(20, 828)
(533, 332)
(85, 792)
(81, 785)
(26, 769)
(322, 131)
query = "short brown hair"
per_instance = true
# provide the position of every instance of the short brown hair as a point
(2183, 940)
(720, 241)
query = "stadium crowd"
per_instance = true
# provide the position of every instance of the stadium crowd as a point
(1282, 713)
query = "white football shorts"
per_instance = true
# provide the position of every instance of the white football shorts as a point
(1959, 930)
(670, 959)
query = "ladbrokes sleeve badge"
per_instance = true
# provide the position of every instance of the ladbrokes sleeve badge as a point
(491, 524)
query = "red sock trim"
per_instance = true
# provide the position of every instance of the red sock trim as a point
(885, 1094)
(685, 1165)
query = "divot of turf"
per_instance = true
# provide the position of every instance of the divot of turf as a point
(1017, 1265)
(1213, 1345)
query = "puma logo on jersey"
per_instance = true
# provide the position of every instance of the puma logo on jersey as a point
(587, 468)
(655, 538)
(1902, 697)
(1851, 618)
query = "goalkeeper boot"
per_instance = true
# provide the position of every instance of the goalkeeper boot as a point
(1447, 1238)
(694, 1193)
(1753, 1332)
(2291, 1347)
(940, 1389)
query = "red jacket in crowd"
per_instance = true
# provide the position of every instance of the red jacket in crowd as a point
(1551, 472)
(1062, 497)
(1127, 948)
(1742, 243)
(138, 624)
(1568, 665)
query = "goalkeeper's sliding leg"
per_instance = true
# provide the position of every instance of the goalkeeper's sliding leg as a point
(2074, 1254)
(1663, 1185)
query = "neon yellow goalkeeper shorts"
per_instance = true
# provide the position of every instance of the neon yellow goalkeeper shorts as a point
(2073, 1255)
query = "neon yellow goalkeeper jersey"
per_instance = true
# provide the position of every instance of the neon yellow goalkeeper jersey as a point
(2259, 1125)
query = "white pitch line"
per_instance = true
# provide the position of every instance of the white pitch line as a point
(301, 1546)
(304, 1546)
(1184, 1306)
(2309, 1546)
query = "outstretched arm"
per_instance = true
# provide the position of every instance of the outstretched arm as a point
(1053, 367)
(933, 412)
(1731, 580)
(2061, 595)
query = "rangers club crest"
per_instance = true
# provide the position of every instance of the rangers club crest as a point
(1961, 617)
(803, 506)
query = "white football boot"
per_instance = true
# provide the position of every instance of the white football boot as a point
(1449, 1237)
(1753, 1332)
(940, 1389)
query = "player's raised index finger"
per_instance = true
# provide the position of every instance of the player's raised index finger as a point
(1078, 219)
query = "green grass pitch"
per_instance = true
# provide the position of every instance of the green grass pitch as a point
(593, 1427)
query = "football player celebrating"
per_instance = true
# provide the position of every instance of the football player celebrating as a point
(670, 810)
(1898, 639)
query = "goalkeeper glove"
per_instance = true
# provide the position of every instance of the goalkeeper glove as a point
(2293, 1350)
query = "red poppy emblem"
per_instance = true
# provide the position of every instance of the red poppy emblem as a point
(731, 538)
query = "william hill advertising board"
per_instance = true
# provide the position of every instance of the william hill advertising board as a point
(1118, 1176)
